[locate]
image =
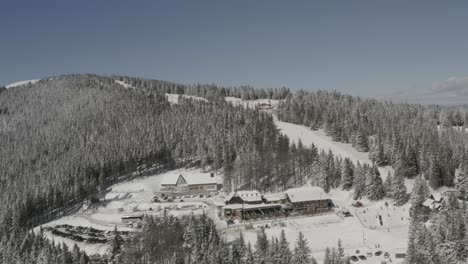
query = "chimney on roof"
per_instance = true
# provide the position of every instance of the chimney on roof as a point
(212, 175)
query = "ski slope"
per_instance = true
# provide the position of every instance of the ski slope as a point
(20, 83)
(324, 142)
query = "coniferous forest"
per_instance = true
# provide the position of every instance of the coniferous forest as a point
(65, 140)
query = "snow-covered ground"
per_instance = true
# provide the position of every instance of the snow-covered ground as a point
(20, 83)
(355, 232)
(251, 103)
(124, 84)
(130, 198)
(174, 98)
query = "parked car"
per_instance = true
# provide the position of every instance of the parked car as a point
(357, 204)
(354, 258)
(362, 257)
(386, 255)
(369, 254)
(378, 253)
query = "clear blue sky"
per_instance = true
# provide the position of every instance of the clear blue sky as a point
(360, 47)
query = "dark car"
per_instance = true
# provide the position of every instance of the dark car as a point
(378, 253)
(386, 255)
(354, 258)
(362, 257)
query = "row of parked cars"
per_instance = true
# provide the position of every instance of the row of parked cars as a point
(164, 199)
(359, 256)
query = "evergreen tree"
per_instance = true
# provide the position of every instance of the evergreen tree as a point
(461, 181)
(418, 196)
(399, 190)
(116, 244)
(262, 247)
(284, 250)
(375, 189)
(347, 172)
(302, 251)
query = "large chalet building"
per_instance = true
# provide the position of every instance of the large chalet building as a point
(249, 205)
(189, 184)
(309, 200)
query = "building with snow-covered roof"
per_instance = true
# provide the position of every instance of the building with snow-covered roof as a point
(279, 197)
(309, 200)
(249, 205)
(244, 197)
(437, 197)
(188, 184)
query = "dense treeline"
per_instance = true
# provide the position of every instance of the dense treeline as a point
(195, 240)
(65, 139)
(414, 139)
(34, 248)
(211, 92)
(442, 239)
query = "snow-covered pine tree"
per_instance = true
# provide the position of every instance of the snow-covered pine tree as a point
(302, 251)
(359, 181)
(388, 185)
(419, 194)
(399, 189)
(461, 181)
(262, 247)
(116, 244)
(284, 250)
(375, 189)
(347, 174)
(361, 143)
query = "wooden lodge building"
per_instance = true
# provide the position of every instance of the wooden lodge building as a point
(189, 184)
(251, 205)
(309, 200)
(247, 205)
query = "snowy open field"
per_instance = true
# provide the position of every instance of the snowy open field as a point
(130, 198)
(325, 230)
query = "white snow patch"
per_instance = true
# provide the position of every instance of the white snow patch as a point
(251, 103)
(21, 83)
(174, 98)
(124, 84)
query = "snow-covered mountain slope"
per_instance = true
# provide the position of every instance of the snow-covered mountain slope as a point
(20, 83)
(322, 141)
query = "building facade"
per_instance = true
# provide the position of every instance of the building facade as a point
(189, 184)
